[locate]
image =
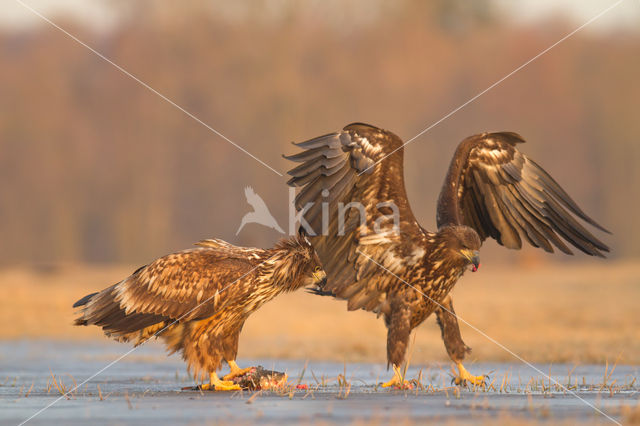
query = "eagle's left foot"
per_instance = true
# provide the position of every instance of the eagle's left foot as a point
(219, 385)
(397, 381)
(464, 377)
(236, 371)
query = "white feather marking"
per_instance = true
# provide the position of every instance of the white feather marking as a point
(391, 261)
(368, 147)
(417, 254)
(378, 238)
(150, 283)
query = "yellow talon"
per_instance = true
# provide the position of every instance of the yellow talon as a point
(219, 385)
(224, 386)
(236, 371)
(397, 380)
(465, 377)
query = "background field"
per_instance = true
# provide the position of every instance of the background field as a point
(94, 167)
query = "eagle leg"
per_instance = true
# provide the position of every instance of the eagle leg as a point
(397, 381)
(448, 322)
(236, 371)
(219, 385)
(398, 329)
(464, 377)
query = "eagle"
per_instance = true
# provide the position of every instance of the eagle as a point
(354, 207)
(197, 300)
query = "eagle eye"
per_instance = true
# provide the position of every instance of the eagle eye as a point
(317, 269)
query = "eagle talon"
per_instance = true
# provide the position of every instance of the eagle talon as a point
(397, 381)
(219, 385)
(222, 385)
(226, 386)
(404, 385)
(464, 378)
(396, 385)
(236, 371)
(480, 381)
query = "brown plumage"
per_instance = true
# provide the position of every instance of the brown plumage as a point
(491, 190)
(197, 300)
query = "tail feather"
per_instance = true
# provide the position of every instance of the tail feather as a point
(81, 320)
(103, 310)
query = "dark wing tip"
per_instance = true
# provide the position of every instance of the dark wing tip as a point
(602, 228)
(84, 300)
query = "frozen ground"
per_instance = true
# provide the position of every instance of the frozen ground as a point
(145, 388)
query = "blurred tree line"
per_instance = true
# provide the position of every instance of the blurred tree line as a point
(97, 168)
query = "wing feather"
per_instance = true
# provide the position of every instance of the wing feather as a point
(182, 285)
(501, 193)
(342, 168)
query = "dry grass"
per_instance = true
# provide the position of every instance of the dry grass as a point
(569, 312)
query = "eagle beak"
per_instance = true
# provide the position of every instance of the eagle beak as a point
(474, 258)
(320, 277)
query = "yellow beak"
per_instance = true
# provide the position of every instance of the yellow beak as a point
(320, 277)
(473, 256)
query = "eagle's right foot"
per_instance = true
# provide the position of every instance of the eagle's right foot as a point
(397, 381)
(219, 385)
(464, 377)
(236, 371)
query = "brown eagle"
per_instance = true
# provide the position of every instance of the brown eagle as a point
(353, 191)
(197, 300)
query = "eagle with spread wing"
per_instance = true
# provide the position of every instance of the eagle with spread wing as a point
(197, 300)
(354, 207)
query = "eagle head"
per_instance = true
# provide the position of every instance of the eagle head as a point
(300, 263)
(464, 242)
(315, 275)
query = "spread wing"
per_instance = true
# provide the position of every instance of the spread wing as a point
(342, 168)
(505, 195)
(186, 284)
